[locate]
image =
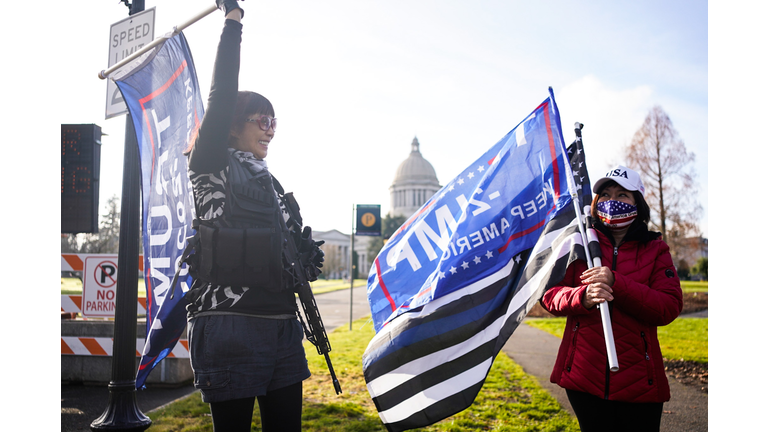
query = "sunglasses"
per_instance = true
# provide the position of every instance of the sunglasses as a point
(265, 122)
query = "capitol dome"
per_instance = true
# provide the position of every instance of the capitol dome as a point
(415, 182)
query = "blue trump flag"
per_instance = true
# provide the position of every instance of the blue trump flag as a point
(163, 98)
(452, 284)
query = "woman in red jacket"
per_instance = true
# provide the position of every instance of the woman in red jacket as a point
(640, 286)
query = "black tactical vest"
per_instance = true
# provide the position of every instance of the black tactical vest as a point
(244, 247)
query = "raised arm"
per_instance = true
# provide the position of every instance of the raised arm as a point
(209, 153)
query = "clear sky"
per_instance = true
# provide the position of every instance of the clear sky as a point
(353, 82)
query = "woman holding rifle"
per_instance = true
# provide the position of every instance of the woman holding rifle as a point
(640, 286)
(245, 338)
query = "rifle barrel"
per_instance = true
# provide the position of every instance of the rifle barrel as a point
(336, 385)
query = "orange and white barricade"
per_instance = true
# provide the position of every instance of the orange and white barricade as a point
(102, 346)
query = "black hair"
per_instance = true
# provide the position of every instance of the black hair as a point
(247, 104)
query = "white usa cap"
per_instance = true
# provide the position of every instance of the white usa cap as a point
(627, 178)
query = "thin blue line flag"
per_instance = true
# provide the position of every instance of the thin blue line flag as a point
(163, 98)
(452, 284)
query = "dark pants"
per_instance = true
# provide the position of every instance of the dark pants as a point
(280, 411)
(596, 414)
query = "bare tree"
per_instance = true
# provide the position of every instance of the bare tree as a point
(666, 168)
(332, 266)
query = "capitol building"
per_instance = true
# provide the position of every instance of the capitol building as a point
(414, 183)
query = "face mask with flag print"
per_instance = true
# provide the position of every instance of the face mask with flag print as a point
(616, 214)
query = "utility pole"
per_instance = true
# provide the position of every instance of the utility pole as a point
(122, 412)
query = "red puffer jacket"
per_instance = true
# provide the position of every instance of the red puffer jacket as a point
(646, 294)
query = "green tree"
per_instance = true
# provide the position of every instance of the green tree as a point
(389, 224)
(701, 267)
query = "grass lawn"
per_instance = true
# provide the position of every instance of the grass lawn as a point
(73, 286)
(509, 401)
(695, 286)
(683, 339)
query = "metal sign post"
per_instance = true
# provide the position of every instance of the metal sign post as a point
(122, 412)
(366, 221)
(351, 258)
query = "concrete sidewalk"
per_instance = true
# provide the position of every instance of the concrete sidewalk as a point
(536, 350)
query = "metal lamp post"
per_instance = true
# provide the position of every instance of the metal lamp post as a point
(122, 412)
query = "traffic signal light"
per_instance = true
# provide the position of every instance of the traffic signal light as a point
(80, 162)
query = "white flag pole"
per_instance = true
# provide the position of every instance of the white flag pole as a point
(610, 346)
(176, 30)
(605, 316)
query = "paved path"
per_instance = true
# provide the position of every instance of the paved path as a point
(536, 350)
(531, 348)
(334, 307)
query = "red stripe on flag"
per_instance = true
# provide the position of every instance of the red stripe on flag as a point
(150, 298)
(151, 96)
(146, 363)
(165, 86)
(424, 292)
(520, 234)
(384, 287)
(552, 150)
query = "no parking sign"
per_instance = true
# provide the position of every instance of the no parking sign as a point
(99, 286)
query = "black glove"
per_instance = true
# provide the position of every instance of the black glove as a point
(228, 6)
(319, 256)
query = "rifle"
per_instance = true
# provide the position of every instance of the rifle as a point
(298, 263)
